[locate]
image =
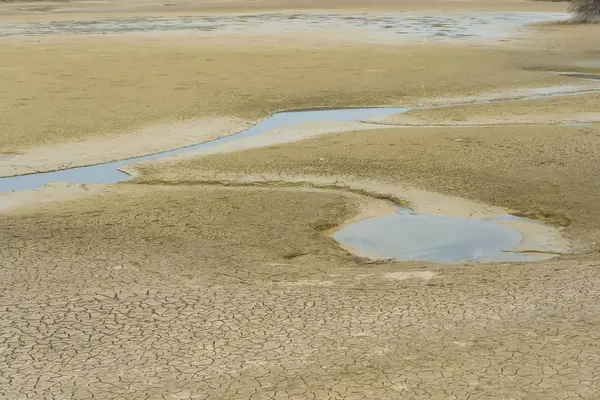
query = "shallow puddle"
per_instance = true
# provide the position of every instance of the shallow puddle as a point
(393, 26)
(409, 236)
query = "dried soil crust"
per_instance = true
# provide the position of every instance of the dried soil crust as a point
(546, 241)
(512, 100)
(576, 88)
(408, 121)
(161, 138)
(138, 295)
(53, 193)
(140, 81)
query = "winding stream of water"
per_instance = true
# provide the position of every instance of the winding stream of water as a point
(110, 172)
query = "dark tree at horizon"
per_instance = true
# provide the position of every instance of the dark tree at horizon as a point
(586, 11)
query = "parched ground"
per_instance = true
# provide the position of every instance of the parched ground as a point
(188, 283)
(106, 93)
(58, 89)
(199, 292)
(565, 109)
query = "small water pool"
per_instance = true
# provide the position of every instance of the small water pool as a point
(409, 236)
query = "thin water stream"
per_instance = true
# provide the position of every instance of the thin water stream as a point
(110, 172)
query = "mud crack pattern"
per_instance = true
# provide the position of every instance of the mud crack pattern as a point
(138, 295)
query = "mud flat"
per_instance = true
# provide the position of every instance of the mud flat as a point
(405, 236)
(282, 127)
(81, 83)
(387, 27)
(145, 277)
(112, 172)
(212, 275)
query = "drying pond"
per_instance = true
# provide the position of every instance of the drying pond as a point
(438, 238)
(391, 26)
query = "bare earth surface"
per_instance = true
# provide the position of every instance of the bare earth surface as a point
(94, 150)
(568, 109)
(166, 293)
(213, 276)
(23, 10)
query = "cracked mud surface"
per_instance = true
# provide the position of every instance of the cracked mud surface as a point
(156, 300)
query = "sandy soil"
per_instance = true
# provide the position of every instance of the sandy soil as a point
(96, 150)
(89, 87)
(581, 108)
(545, 240)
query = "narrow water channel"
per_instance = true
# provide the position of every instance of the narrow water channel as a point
(110, 172)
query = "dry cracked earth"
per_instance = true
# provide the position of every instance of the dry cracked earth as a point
(182, 285)
(195, 292)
